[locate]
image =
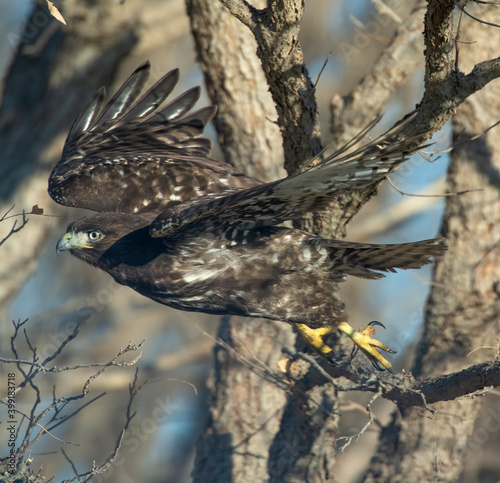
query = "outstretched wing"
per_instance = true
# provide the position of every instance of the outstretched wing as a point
(137, 153)
(292, 197)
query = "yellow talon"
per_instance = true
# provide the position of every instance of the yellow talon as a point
(314, 340)
(367, 344)
(362, 339)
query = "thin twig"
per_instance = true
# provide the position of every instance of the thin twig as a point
(355, 437)
(458, 193)
(322, 69)
(475, 18)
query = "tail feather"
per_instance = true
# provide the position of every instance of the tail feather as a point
(368, 260)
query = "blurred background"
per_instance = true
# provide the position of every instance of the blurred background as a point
(55, 293)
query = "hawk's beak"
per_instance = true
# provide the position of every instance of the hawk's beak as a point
(64, 243)
(72, 241)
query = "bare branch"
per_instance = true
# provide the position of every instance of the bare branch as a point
(441, 195)
(276, 31)
(53, 414)
(482, 74)
(390, 70)
(247, 14)
(403, 389)
(14, 228)
(355, 437)
(96, 470)
(462, 8)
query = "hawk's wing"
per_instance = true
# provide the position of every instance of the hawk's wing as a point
(135, 153)
(292, 197)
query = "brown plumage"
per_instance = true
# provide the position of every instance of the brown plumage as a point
(197, 234)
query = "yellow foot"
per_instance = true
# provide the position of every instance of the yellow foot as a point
(314, 340)
(368, 345)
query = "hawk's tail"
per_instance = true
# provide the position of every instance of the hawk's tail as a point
(368, 260)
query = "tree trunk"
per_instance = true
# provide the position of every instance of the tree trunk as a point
(245, 408)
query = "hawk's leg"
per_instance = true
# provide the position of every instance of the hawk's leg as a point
(369, 345)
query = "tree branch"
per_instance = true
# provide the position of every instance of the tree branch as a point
(445, 90)
(247, 14)
(389, 71)
(402, 389)
(481, 75)
(276, 30)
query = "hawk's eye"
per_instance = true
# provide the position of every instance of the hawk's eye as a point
(94, 235)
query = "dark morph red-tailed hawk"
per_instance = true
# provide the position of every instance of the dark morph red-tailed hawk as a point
(198, 235)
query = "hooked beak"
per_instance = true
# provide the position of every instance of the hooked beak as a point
(64, 243)
(69, 242)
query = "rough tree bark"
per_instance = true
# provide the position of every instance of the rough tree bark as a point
(463, 311)
(248, 419)
(244, 422)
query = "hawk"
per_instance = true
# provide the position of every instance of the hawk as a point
(198, 235)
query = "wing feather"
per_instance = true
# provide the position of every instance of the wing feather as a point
(87, 117)
(138, 152)
(124, 98)
(180, 106)
(153, 98)
(292, 197)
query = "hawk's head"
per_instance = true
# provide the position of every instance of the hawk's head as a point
(109, 239)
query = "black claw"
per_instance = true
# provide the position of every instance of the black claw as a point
(375, 323)
(381, 368)
(378, 366)
(331, 360)
(391, 351)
